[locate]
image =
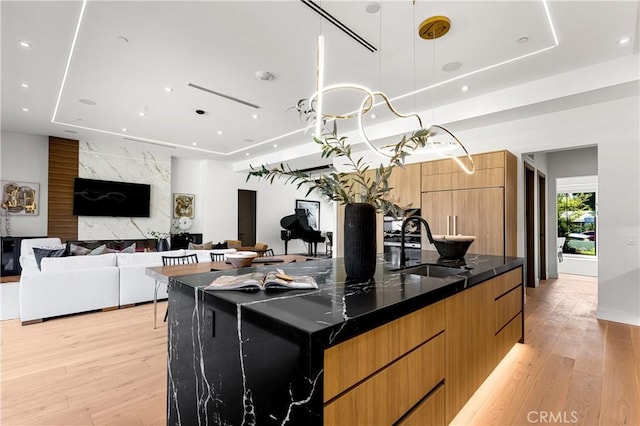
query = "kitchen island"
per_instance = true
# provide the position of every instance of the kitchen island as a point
(408, 347)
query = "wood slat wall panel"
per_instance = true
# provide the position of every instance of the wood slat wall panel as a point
(63, 167)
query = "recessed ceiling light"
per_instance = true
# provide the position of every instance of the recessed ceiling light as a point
(124, 129)
(168, 89)
(373, 7)
(195, 144)
(275, 145)
(254, 116)
(24, 43)
(86, 101)
(25, 85)
(247, 154)
(624, 40)
(141, 114)
(373, 116)
(452, 66)
(219, 132)
(465, 88)
(522, 40)
(200, 111)
(25, 109)
(264, 75)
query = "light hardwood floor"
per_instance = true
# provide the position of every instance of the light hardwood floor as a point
(572, 369)
(108, 368)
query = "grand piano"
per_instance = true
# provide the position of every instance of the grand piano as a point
(296, 226)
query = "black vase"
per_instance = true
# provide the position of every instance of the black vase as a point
(162, 245)
(360, 241)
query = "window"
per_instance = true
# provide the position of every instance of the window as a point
(577, 222)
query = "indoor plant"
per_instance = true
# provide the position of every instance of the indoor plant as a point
(364, 190)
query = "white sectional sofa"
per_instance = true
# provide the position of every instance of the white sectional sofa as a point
(67, 285)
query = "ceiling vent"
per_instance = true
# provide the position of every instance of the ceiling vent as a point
(342, 27)
(150, 143)
(222, 95)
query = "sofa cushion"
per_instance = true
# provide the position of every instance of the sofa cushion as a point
(77, 262)
(145, 259)
(42, 252)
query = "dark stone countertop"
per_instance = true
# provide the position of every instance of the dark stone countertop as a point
(339, 310)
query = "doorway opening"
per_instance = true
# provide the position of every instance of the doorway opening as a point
(529, 224)
(247, 217)
(542, 225)
(576, 204)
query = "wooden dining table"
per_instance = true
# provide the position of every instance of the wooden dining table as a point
(161, 274)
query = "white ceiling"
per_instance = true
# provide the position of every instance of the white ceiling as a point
(127, 52)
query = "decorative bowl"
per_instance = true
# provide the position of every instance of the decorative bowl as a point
(240, 259)
(452, 247)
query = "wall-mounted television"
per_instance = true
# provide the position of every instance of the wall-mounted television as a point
(92, 197)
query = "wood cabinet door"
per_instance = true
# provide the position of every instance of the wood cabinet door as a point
(437, 209)
(406, 183)
(410, 186)
(470, 340)
(480, 212)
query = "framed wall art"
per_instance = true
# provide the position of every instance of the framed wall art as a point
(184, 205)
(313, 212)
(20, 198)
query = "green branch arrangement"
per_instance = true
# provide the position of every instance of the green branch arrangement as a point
(358, 186)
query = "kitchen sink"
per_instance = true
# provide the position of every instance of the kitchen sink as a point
(435, 271)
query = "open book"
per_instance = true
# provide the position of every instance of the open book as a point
(276, 280)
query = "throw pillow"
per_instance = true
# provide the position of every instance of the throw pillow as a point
(76, 250)
(128, 249)
(40, 253)
(221, 246)
(206, 246)
(99, 250)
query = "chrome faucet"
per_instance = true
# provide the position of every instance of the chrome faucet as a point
(403, 256)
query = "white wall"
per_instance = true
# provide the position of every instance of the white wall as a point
(186, 179)
(619, 221)
(219, 196)
(25, 158)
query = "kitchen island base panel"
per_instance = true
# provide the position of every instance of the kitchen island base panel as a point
(265, 357)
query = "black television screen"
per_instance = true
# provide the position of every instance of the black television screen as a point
(93, 197)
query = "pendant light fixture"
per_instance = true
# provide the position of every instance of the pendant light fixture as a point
(430, 29)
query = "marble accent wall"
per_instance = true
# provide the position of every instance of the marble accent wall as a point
(125, 162)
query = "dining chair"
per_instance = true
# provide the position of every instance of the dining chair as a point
(169, 261)
(268, 252)
(217, 257)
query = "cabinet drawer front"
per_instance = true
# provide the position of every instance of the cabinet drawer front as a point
(386, 396)
(437, 167)
(437, 182)
(506, 307)
(429, 412)
(480, 179)
(489, 160)
(508, 336)
(350, 362)
(505, 282)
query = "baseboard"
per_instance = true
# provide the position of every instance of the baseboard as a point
(110, 308)
(617, 316)
(129, 305)
(34, 321)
